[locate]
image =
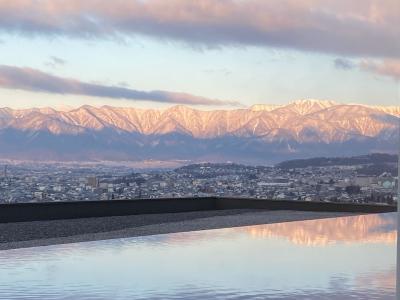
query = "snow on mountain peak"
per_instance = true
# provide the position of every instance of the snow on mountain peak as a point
(307, 106)
(311, 101)
(390, 110)
(264, 107)
(325, 117)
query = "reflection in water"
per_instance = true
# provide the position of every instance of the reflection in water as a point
(276, 261)
(363, 229)
(385, 279)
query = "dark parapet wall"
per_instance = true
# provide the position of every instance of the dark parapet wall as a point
(239, 203)
(21, 212)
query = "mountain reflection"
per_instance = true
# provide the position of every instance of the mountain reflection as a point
(359, 229)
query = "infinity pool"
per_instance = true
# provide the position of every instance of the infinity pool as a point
(340, 258)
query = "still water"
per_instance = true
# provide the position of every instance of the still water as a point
(341, 258)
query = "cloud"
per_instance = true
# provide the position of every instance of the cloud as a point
(343, 64)
(387, 68)
(55, 61)
(367, 28)
(37, 81)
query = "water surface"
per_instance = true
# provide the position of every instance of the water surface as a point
(340, 258)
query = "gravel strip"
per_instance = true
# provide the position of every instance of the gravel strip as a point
(41, 233)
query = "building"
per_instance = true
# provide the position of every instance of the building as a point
(92, 181)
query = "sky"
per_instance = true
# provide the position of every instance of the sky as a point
(204, 53)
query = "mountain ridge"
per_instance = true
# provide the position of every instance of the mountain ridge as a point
(280, 132)
(189, 120)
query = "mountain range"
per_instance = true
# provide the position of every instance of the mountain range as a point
(259, 134)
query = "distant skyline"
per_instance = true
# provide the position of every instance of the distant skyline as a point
(205, 54)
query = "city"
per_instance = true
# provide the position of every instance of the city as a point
(46, 182)
(199, 149)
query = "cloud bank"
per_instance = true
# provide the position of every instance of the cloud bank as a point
(37, 81)
(367, 28)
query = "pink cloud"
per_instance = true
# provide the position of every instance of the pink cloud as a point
(37, 81)
(388, 68)
(351, 28)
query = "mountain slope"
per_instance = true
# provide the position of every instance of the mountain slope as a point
(261, 133)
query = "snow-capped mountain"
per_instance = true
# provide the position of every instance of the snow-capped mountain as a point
(264, 107)
(261, 133)
(391, 110)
